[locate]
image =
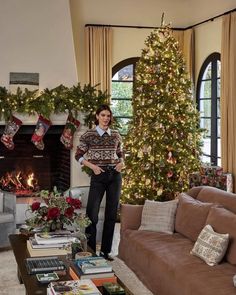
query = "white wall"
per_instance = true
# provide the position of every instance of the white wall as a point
(207, 41)
(36, 36)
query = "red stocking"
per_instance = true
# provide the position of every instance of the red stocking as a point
(11, 128)
(67, 136)
(41, 128)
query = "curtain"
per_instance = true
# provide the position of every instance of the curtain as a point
(98, 42)
(228, 95)
(186, 43)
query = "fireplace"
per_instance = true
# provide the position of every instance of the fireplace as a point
(31, 169)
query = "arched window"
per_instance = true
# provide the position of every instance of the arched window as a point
(208, 100)
(123, 76)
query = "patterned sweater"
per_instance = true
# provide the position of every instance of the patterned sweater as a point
(100, 150)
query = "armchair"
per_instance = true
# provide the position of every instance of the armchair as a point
(7, 217)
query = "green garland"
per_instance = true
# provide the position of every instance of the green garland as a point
(57, 100)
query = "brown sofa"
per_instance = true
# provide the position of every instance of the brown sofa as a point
(163, 261)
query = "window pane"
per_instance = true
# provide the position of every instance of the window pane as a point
(205, 108)
(122, 90)
(207, 73)
(218, 87)
(206, 159)
(121, 108)
(205, 90)
(218, 128)
(219, 162)
(218, 108)
(218, 68)
(206, 124)
(124, 125)
(125, 73)
(219, 147)
(206, 149)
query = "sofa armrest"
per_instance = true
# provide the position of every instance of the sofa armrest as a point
(130, 216)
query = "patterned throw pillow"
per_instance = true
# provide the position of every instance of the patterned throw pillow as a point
(159, 216)
(210, 246)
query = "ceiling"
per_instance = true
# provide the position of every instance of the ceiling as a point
(180, 13)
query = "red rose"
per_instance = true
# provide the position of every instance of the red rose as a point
(53, 213)
(35, 206)
(76, 203)
(69, 200)
(69, 212)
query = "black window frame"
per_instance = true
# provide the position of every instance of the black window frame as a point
(213, 59)
(116, 68)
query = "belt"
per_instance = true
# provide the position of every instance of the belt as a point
(109, 167)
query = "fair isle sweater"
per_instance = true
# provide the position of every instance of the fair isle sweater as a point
(100, 150)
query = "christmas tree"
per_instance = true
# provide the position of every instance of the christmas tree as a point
(164, 140)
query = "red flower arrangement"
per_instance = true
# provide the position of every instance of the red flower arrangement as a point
(55, 211)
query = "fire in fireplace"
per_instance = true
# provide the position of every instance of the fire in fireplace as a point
(19, 182)
(26, 169)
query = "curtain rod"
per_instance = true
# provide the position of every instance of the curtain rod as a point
(211, 19)
(126, 26)
(177, 29)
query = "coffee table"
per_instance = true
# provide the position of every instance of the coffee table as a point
(32, 286)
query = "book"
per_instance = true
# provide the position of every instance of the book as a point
(82, 287)
(44, 251)
(44, 264)
(53, 238)
(35, 245)
(79, 274)
(94, 264)
(98, 281)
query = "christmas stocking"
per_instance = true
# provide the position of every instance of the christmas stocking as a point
(10, 130)
(41, 128)
(67, 136)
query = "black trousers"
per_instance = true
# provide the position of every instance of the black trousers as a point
(109, 182)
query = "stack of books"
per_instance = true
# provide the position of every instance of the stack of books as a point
(82, 287)
(95, 268)
(49, 244)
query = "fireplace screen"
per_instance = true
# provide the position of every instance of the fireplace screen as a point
(26, 170)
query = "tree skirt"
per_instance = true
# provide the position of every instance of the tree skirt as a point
(9, 284)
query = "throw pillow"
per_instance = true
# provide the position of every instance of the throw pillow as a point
(210, 246)
(223, 220)
(159, 216)
(191, 216)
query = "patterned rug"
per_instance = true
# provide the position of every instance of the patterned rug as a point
(9, 283)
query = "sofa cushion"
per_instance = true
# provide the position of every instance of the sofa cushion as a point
(1, 201)
(223, 221)
(159, 216)
(191, 216)
(210, 245)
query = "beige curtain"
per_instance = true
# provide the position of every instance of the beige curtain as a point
(228, 95)
(98, 42)
(186, 43)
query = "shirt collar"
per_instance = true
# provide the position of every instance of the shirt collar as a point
(100, 131)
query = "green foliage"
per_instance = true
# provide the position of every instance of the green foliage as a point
(59, 99)
(164, 140)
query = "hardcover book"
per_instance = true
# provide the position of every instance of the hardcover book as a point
(44, 251)
(44, 264)
(81, 287)
(94, 264)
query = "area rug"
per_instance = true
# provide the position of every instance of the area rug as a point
(9, 284)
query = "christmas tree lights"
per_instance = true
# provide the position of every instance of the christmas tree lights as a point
(164, 140)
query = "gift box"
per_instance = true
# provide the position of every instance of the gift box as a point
(113, 289)
(223, 181)
(211, 170)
